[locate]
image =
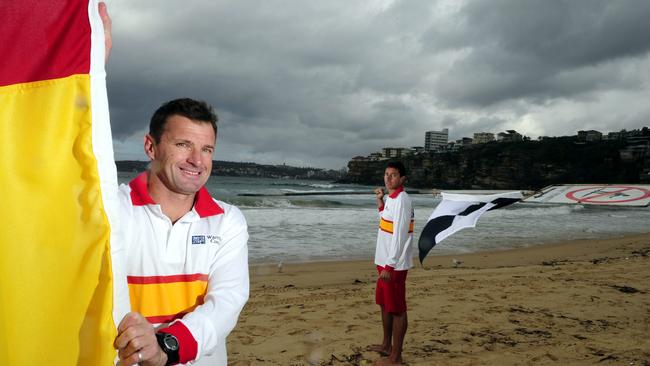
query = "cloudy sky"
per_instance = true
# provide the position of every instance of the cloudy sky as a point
(314, 83)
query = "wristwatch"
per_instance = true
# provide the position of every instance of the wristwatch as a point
(169, 345)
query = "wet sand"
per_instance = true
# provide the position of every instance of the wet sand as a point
(579, 302)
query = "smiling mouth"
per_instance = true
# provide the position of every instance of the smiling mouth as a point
(189, 172)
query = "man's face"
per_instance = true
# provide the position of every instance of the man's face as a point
(182, 160)
(392, 179)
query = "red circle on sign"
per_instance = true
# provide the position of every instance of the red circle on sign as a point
(644, 194)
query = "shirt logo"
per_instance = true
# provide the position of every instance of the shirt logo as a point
(198, 239)
(214, 239)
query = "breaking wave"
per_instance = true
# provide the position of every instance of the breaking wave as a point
(283, 202)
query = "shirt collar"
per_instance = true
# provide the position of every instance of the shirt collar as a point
(397, 192)
(204, 205)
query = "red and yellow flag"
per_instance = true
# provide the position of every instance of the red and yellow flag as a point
(57, 187)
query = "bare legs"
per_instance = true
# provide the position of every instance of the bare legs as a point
(395, 325)
(387, 323)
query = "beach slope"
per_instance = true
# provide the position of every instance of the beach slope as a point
(580, 302)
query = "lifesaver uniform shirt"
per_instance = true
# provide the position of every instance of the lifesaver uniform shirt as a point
(189, 278)
(395, 234)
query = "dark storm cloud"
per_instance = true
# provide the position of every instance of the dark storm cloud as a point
(538, 49)
(315, 83)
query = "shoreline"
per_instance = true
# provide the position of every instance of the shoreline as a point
(438, 260)
(574, 302)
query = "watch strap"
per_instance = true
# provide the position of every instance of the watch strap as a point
(172, 355)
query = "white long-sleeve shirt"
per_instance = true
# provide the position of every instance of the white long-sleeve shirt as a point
(395, 233)
(190, 277)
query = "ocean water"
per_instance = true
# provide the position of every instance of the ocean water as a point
(340, 223)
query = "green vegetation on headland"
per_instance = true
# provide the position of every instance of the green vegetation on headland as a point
(518, 165)
(236, 169)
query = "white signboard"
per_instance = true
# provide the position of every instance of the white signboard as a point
(595, 194)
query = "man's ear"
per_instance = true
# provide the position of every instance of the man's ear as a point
(150, 146)
(402, 180)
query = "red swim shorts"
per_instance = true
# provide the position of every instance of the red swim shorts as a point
(392, 294)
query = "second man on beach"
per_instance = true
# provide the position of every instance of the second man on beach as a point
(393, 257)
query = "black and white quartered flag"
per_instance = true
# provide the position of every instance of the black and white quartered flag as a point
(458, 211)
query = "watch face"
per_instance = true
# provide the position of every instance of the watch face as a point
(170, 342)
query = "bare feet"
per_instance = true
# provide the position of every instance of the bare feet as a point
(379, 348)
(387, 362)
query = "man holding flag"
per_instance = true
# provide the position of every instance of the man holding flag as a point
(393, 257)
(187, 254)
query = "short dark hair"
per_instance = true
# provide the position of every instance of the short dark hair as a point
(397, 165)
(196, 110)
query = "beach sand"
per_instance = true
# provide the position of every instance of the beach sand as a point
(581, 302)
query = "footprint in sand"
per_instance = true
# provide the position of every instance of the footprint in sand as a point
(245, 340)
(543, 357)
(351, 328)
(240, 363)
(298, 331)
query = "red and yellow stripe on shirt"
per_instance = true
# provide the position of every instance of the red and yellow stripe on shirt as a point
(387, 226)
(56, 280)
(162, 299)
